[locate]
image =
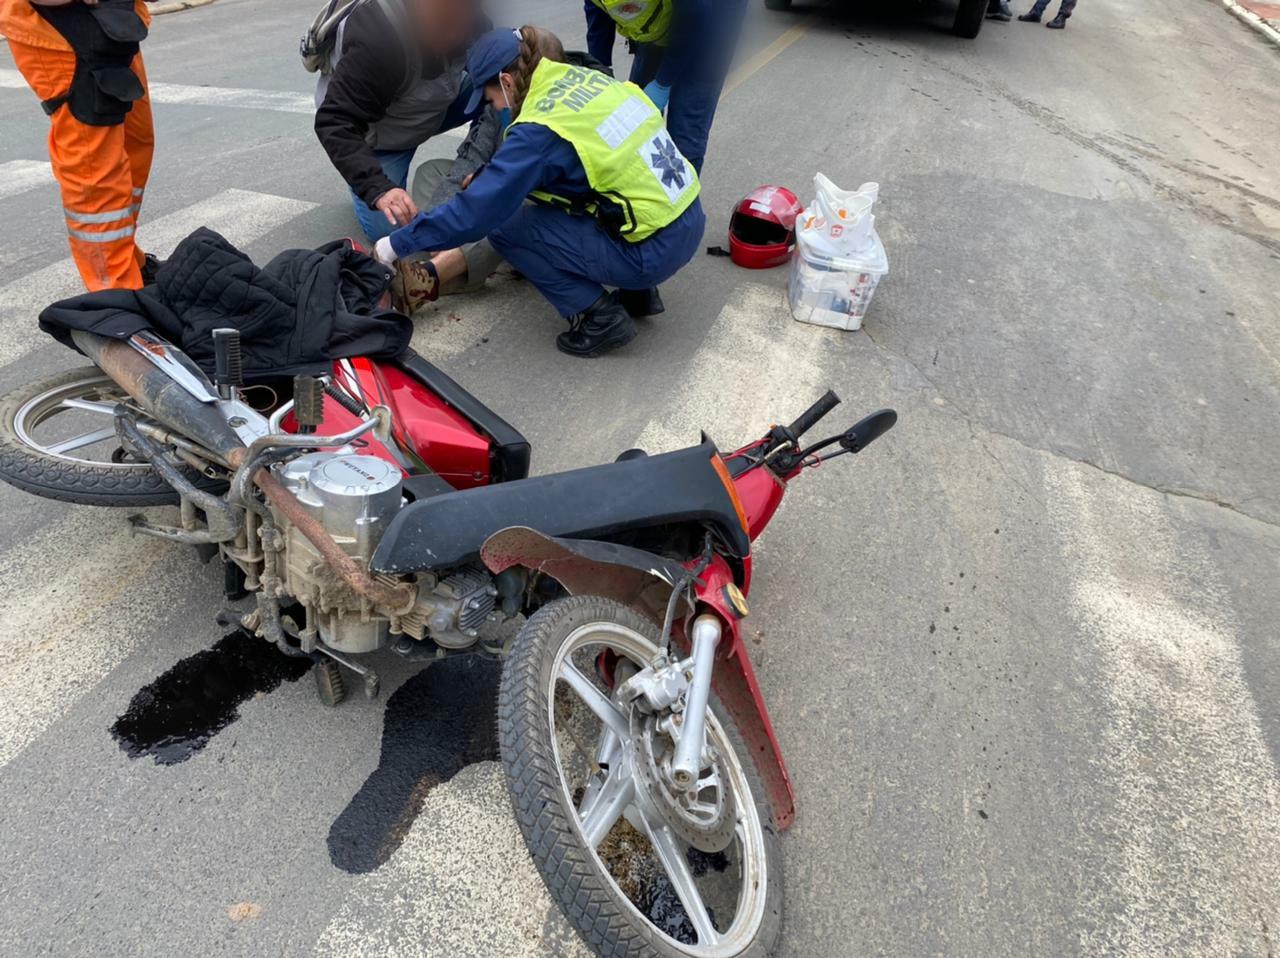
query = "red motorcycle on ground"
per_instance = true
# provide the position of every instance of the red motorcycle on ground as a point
(383, 506)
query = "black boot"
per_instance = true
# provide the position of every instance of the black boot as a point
(641, 302)
(1057, 23)
(1030, 18)
(602, 326)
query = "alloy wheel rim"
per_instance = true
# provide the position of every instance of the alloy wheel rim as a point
(93, 395)
(644, 815)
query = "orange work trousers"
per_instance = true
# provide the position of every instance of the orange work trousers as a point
(102, 171)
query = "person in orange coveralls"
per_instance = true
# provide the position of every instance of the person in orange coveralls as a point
(81, 58)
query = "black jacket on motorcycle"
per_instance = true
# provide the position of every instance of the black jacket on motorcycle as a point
(297, 314)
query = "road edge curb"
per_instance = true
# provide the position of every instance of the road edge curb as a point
(162, 8)
(1242, 14)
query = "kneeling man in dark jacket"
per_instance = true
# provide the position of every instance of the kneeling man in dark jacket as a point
(395, 79)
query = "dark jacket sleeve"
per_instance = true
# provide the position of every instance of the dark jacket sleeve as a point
(600, 33)
(367, 79)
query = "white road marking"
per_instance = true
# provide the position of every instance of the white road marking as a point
(1194, 795)
(755, 362)
(241, 216)
(74, 602)
(278, 101)
(186, 94)
(18, 176)
(463, 857)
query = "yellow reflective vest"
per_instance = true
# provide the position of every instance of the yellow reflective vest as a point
(620, 140)
(645, 21)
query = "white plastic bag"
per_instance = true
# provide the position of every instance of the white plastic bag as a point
(839, 259)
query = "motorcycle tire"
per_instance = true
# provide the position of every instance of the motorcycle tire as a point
(35, 470)
(606, 919)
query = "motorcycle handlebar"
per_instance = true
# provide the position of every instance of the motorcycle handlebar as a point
(809, 418)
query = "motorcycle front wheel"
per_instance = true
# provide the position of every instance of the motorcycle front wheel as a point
(58, 440)
(611, 853)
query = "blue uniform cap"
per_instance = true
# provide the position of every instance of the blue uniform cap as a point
(488, 57)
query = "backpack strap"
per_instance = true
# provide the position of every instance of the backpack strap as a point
(317, 45)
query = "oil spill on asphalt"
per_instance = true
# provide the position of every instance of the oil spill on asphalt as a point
(659, 901)
(175, 716)
(436, 724)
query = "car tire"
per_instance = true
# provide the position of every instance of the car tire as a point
(969, 17)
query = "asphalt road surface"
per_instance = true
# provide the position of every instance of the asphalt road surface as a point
(1022, 655)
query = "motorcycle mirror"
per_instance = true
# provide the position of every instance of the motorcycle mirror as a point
(867, 430)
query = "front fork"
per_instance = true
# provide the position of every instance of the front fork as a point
(692, 742)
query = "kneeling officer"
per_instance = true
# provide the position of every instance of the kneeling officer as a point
(613, 202)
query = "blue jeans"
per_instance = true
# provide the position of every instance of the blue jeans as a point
(396, 163)
(570, 260)
(1064, 10)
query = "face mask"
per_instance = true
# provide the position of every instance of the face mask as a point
(504, 114)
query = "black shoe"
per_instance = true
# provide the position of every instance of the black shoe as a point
(150, 267)
(1030, 18)
(602, 326)
(641, 302)
(1002, 14)
(1057, 23)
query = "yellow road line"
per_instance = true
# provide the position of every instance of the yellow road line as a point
(746, 70)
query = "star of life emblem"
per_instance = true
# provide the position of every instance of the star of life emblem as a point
(667, 165)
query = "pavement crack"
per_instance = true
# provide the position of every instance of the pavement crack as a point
(1176, 492)
(975, 426)
(973, 433)
(1058, 125)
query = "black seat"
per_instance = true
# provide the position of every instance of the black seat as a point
(446, 531)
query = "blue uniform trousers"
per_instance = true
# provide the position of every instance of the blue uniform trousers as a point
(694, 96)
(571, 260)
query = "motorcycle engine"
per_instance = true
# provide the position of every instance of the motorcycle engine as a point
(355, 497)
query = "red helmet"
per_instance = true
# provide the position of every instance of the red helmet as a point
(762, 230)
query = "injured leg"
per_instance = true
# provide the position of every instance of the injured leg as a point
(451, 265)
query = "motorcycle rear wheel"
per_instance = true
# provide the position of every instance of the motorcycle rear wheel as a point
(633, 888)
(74, 458)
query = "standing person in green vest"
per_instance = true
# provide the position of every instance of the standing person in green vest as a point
(614, 203)
(682, 50)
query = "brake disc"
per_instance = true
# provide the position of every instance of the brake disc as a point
(704, 816)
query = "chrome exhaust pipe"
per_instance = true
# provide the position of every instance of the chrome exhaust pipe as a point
(159, 394)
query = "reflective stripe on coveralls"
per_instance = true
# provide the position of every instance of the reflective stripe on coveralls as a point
(619, 138)
(101, 170)
(644, 21)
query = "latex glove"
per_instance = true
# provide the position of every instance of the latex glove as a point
(659, 94)
(383, 252)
